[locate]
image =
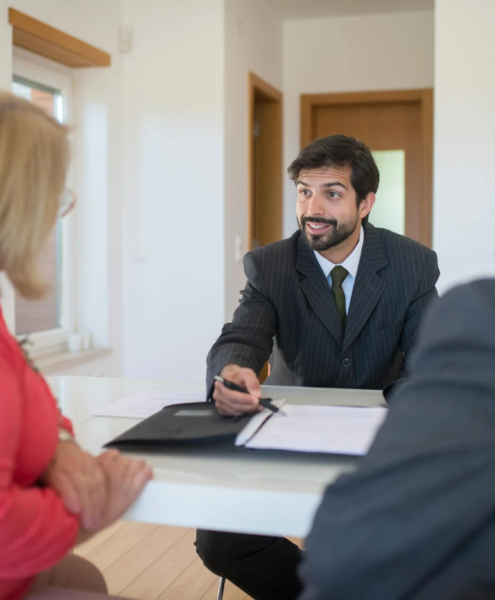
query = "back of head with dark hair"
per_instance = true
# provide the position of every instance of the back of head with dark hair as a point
(340, 151)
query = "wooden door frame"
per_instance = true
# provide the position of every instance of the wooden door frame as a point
(258, 85)
(424, 97)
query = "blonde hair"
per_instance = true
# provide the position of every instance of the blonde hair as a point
(34, 155)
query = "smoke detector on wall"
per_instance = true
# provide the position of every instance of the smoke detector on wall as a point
(125, 38)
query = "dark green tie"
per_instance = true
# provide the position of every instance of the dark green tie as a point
(338, 274)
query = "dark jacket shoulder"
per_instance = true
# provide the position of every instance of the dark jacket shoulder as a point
(395, 245)
(277, 251)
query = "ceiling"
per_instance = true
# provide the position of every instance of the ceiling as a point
(302, 9)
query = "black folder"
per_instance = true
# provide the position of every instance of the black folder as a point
(182, 425)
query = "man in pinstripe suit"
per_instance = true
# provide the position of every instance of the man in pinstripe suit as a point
(336, 305)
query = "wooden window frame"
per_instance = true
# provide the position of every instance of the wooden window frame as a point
(54, 340)
(58, 46)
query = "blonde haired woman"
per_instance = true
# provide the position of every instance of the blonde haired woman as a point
(52, 494)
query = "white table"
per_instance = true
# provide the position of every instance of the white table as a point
(256, 492)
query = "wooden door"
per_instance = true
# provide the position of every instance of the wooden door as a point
(384, 121)
(265, 198)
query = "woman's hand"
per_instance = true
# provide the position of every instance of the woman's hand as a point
(80, 481)
(125, 480)
(99, 490)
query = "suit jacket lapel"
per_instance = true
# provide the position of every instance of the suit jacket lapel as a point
(316, 289)
(368, 287)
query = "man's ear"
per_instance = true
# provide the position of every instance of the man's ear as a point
(366, 205)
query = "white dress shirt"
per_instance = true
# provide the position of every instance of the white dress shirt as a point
(351, 263)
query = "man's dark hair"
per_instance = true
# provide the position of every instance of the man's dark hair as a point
(340, 151)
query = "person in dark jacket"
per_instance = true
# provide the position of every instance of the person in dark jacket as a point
(417, 520)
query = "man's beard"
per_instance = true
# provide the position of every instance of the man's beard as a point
(338, 233)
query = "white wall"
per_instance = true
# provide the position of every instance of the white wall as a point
(173, 186)
(253, 42)
(349, 54)
(96, 157)
(172, 155)
(464, 196)
(100, 211)
(150, 179)
(153, 133)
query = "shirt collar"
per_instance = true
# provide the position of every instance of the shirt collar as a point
(351, 263)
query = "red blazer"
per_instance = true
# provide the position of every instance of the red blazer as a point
(36, 531)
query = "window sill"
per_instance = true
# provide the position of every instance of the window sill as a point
(49, 364)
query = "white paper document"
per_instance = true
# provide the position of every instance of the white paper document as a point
(329, 429)
(255, 423)
(145, 403)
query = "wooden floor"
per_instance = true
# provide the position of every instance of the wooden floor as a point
(150, 562)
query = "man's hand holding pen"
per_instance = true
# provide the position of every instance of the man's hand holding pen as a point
(232, 402)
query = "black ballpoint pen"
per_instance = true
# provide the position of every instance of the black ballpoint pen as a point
(266, 402)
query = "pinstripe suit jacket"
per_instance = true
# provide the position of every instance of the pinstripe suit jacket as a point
(288, 313)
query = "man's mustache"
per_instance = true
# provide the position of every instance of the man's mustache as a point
(320, 220)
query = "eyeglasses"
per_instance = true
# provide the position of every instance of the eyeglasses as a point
(67, 202)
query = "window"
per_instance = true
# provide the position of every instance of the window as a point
(48, 321)
(43, 315)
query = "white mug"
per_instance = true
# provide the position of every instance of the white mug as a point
(87, 341)
(74, 341)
